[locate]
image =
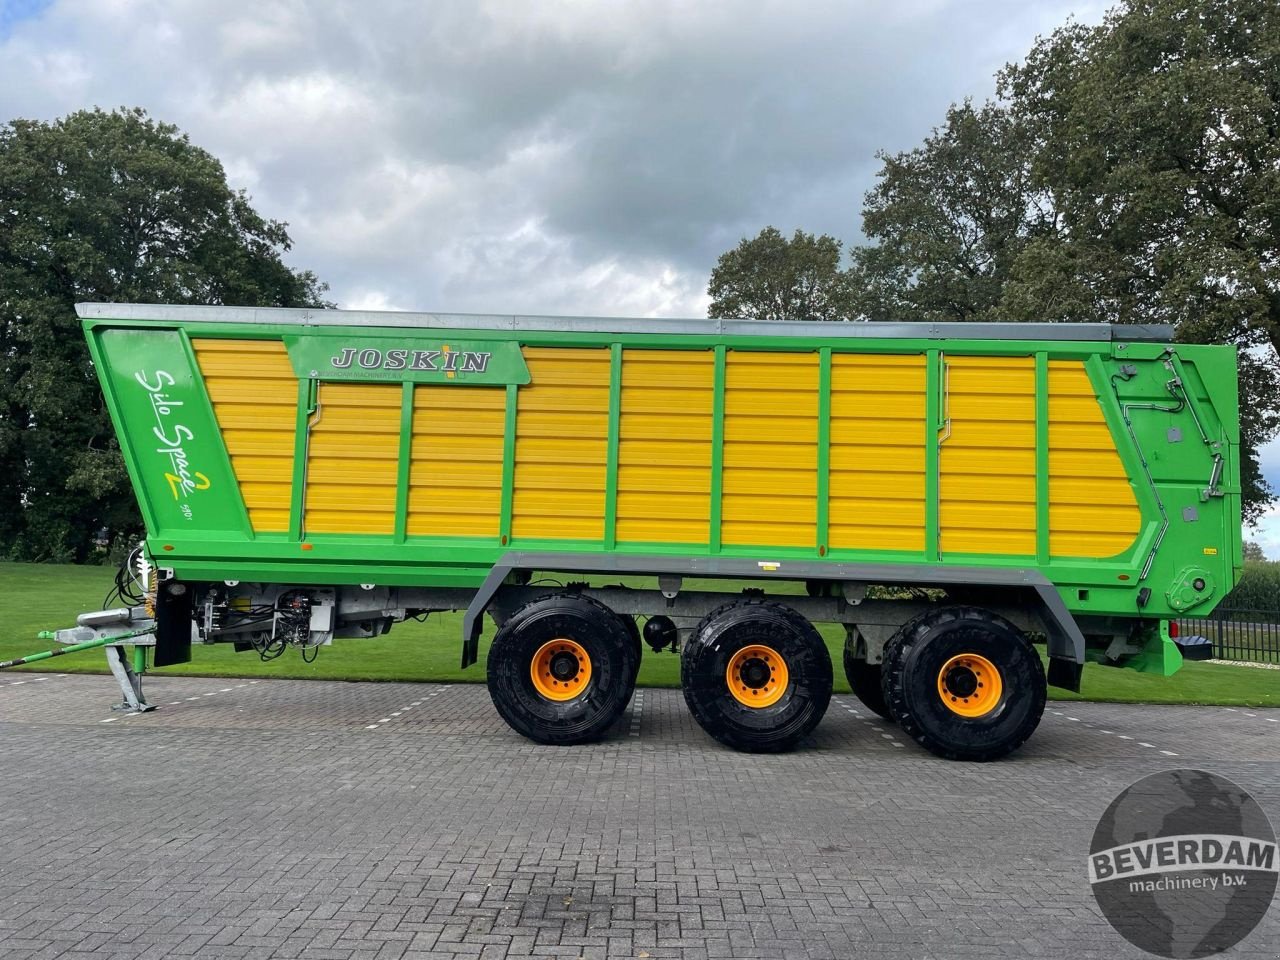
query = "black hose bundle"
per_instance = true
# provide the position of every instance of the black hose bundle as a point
(128, 590)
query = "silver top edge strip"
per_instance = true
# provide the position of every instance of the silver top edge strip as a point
(691, 327)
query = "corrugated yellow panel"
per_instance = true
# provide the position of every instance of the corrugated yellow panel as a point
(352, 457)
(455, 470)
(770, 449)
(255, 400)
(664, 446)
(1092, 508)
(987, 465)
(562, 444)
(877, 452)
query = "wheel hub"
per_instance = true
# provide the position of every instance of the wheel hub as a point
(755, 673)
(757, 676)
(970, 685)
(560, 669)
(564, 666)
(961, 682)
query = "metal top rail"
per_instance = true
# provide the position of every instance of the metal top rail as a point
(693, 327)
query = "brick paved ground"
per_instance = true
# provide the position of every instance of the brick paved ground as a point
(336, 821)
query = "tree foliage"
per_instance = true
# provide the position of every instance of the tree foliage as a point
(1129, 172)
(1258, 589)
(950, 217)
(109, 206)
(773, 278)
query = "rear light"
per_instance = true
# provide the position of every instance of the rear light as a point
(1173, 628)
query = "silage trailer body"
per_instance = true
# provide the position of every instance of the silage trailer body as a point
(1075, 481)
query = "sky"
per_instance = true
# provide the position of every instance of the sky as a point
(531, 157)
(561, 156)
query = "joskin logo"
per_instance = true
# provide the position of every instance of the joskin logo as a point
(392, 360)
(1184, 864)
(451, 362)
(173, 437)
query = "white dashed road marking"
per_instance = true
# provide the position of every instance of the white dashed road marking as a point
(178, 703)
(1109, 733)
(415, 703)
(18, 683)
(637, 714)
(872, 720)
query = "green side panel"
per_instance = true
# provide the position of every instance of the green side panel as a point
(173, 448)
(611, 462)
(1170, 422)
(508, 464)
(934, 424)
(1042, 458)
(307, 393)
(824, 449)
(717, 451)
(406, 461)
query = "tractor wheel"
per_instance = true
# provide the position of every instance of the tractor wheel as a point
(562, 669)
(864, 678)
(965, 683)
(756, 676)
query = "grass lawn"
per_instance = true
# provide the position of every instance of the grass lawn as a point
(36, 597)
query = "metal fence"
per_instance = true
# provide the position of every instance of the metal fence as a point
(1238, 634)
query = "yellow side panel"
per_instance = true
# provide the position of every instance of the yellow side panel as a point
(877, 452)
(351, 463)
(987, 465)
(664, 445)
(255, 400)
(770, 483)
(562, 441)
(1092, 509)
(455, 470)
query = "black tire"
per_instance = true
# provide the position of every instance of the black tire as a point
(706, 658)
(864, 679)
(633, 630)
(914, 659)
(592, 711)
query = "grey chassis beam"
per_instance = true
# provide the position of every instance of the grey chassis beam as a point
(1065, 640)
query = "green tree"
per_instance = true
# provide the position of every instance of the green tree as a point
(1130, 173)
(949, 219)
(1159, 136)
(116, 207)
(1254, 552)
(773, 278)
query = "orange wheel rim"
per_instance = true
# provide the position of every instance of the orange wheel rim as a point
(757, 676)
(970, 685)
(560, 670)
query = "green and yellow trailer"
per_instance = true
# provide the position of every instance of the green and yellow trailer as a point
(955, 496)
